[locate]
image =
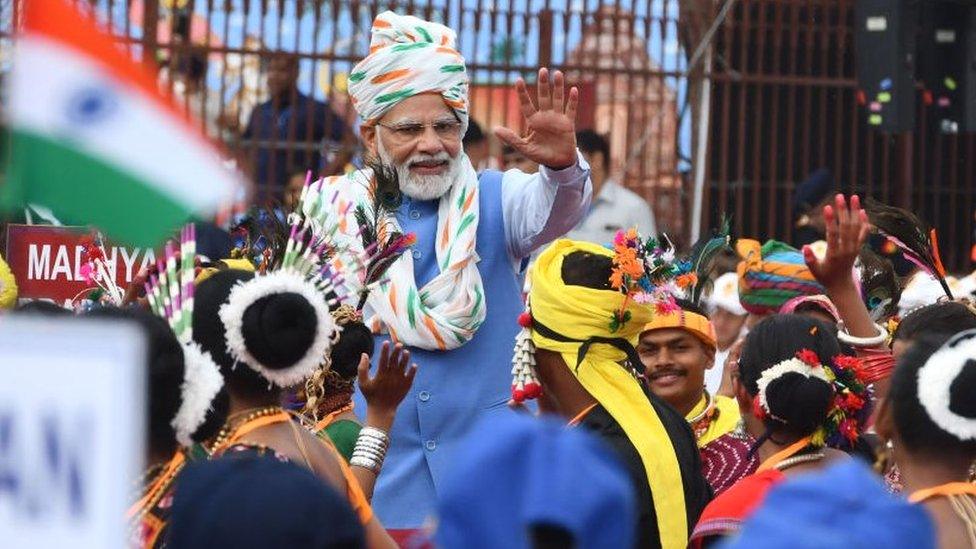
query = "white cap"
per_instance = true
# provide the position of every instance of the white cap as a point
(819, 248)
(964, 286)
(922, 289)
(725, 294)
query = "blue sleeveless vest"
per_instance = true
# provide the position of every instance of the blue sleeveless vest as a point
(455, 389)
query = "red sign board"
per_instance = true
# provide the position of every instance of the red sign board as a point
(47, 261)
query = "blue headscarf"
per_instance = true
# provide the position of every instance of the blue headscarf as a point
(257, 502)
(844, 507)
(514, 473)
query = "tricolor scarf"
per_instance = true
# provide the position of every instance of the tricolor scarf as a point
(448, 310)
(409, 56)
(576, 318)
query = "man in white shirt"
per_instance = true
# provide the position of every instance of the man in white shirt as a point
(614, 206)
(729, 318)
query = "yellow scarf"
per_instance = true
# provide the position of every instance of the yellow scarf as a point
(580, 313)
(725, 417)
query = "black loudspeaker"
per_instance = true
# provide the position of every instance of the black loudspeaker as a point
(885, 48)
(947, 64)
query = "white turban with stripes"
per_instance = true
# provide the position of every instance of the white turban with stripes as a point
(408, 56)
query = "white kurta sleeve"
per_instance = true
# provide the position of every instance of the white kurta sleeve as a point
(541, 207)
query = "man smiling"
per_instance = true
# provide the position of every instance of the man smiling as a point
(676, 349)
(460, 286)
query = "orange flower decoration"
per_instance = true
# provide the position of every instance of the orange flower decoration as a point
(686, 280)
(617, 279)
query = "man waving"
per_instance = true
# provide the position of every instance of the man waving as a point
(455, 298)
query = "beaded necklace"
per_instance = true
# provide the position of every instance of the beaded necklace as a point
(786, 458)
(701, 422)
(254, 419)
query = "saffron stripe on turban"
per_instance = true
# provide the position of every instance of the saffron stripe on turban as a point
(409, 56)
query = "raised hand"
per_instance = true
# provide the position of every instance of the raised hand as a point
(847, 230)
(387, 389)
(550, 122)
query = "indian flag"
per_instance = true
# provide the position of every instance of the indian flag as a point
(92, 138)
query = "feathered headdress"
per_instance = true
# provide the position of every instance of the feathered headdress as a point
(260, 236)
(880, 289)
(915, 238)
(382, 243)
(647, 271)
(298, 242)
(703, 256)
(170, 295)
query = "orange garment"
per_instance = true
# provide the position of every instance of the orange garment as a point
(726, 513)
(354, 493)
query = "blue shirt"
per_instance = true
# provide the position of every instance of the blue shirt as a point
(287, 138)
(454, 389)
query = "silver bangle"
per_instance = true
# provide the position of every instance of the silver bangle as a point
(365, 463)
(373, 432)
(367, 444)
(373, 456)
(370, 449)
(855, 341)
(366, 448)
(369, 462)
(378, 453)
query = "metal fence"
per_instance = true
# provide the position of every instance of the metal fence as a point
(784, 103)
(626, 57)
(755, 94)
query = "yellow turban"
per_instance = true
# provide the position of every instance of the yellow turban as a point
(570, 319)
(238, 264)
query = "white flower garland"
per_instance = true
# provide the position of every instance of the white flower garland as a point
(201, 383)
(794, 365)
(243, 295)
(935, 379)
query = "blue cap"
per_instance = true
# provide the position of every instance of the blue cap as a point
(816, 187)
(213, 242)
(252, 502)
(845, 507)
(515, 472)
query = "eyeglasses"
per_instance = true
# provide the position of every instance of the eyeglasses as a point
(446, 130)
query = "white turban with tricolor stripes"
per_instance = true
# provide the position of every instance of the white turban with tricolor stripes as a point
(408, 56)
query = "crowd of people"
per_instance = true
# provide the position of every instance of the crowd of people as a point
(418, 353)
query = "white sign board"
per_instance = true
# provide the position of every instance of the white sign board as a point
(71, 430)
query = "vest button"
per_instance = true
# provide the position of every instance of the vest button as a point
(416, 254)
(424, 396)
(414, 214)
(430, 445)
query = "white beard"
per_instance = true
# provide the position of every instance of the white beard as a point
(423, 187)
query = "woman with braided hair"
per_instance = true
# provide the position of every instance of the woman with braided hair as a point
(268, 333)
(786, 395)
(186, 404)
(327, 395)
(326, 398)
(929, 423)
